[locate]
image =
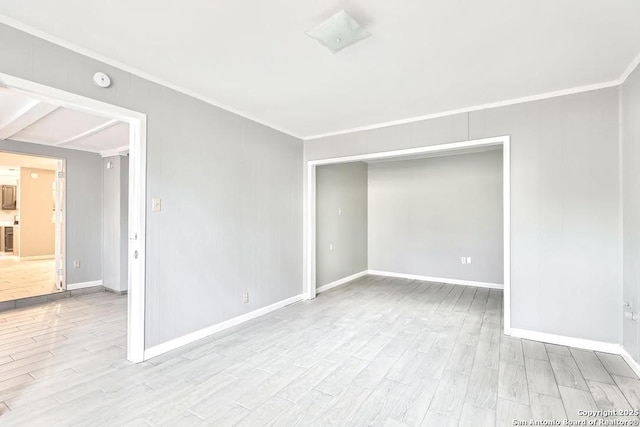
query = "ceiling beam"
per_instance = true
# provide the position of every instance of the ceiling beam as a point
(100, 128)
(31, 113)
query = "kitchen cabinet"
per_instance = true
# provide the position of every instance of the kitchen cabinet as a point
(9, 197)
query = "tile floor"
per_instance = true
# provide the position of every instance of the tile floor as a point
(23, 279)
(378, 351)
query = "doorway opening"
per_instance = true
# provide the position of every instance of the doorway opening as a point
(310, 288)
(31, 226)
(46, 104)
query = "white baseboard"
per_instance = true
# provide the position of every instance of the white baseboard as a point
(37, 257)
(630, 360)
(342, 281)
(437, 279)
(604, 347)
(81, 285)
(203, 333)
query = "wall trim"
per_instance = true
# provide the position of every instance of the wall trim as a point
(604, 347)
(341, 282)
(136, 72)
(82, 285)
(36, 257)
(487, 106)
(630, 360)
(210, 330)
(627, 72)
(437, 279)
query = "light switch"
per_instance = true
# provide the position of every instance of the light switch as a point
(156, 204)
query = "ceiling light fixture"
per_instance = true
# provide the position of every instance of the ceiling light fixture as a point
(338, 32)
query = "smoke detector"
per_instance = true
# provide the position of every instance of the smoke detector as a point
(338, 32)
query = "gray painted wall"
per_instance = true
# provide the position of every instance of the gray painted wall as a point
(115, 221)
(630, 94)
(344, 187)
(83, 209)
(231, 191)
(566, 239)
(425, 214)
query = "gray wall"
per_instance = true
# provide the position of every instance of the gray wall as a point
(83, 182)
(630, 94)
(425, 214)
(231, 191)
(115, 222)
(344, 187)
(565, 203)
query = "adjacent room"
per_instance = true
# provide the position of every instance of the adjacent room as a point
(320, 213)
(28, 231)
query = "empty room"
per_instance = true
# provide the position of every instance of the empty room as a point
(320, 213)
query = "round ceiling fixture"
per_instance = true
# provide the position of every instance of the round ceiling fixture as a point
(101, 79)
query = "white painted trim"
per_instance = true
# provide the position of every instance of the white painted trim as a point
(39, 142)
(437, 279)
(627, 72)
(341, 282)
(630, 360)
(310, 234)
(505, 103)
(91, 54)
(132, 70)
(120, 151)
(506, 230)
(309, 222)
(136, 274)
(210, 330)
(137, 192)
(37, 257)
(82, 285)
(407, 152)
(604, 347)
(61, 224)
(33, 112)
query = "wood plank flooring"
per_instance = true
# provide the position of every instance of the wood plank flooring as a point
(24, 279)
(378, 351)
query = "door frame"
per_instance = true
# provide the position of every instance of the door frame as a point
(137, 194)
(309, 289)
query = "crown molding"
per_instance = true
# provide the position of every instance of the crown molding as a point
(98, 57)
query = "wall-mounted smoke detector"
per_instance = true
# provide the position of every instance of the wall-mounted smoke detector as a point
(338, 32)
(101, 79)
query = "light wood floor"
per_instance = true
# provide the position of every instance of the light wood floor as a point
(384, 352)
(23, 279)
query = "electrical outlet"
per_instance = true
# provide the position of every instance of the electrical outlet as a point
(245, 297)
(463, 260)
(339, 211)
(156, 204)
(330, 247)
(76, 263)
(468, 260)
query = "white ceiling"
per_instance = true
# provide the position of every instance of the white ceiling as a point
(23, 118)
(424, 57)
